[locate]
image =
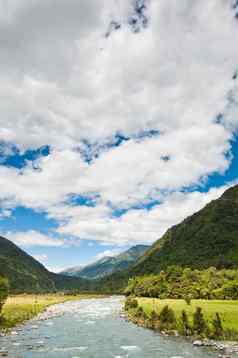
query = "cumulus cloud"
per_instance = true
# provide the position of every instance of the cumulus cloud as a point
(139, 226)
(66, 85)
(32, 238)
(106, 253)
(41, 258)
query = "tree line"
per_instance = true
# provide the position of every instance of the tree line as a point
(186, 283)
(4, 289)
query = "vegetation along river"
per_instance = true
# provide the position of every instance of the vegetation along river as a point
(92, 329)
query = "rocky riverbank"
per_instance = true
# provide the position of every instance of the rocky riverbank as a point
(225, 349)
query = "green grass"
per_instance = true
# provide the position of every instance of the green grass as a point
(20, 308)
(228, 310)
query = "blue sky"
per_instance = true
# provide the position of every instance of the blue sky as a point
(118, 119)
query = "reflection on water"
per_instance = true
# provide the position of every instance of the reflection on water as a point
(93, 329)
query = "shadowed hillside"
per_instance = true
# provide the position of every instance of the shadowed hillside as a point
(25, 274)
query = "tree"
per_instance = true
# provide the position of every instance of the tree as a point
(4, 288)
(185, 324)
(167, 319)
(199, 323)
(130, 303)
(154, 319)
(217, 326)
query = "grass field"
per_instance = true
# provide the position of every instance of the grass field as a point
(228, 310)
(18, 309)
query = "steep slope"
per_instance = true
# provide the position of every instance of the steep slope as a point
(109, 265)
(25, 274)
(207, 238)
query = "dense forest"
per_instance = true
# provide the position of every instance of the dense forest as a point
(180, 283)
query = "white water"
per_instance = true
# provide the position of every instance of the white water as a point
(93, 329)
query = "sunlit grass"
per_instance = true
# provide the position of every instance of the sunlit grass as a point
(20, 308)
(228, 310)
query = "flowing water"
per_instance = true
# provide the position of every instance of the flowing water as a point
(93, 329)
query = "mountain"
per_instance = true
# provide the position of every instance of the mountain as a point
(72, 271)
(108, 265)
(25, 274)
(207, 238)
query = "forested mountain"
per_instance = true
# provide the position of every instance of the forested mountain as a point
(25, 274)
(207, 238)
(108, 265)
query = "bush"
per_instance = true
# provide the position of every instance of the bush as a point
(186, 329)
(167, 320)
(141, 314)
(230, 290)
(217, 326)
(187, 284)
(130, 304)
(199, 323)
(4, 288)
(188, 299)
(154, 320)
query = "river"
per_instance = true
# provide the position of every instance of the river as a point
(93, 329)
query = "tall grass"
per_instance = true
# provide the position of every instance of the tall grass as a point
(18, 309)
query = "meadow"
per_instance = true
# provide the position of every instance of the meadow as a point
(146, 309)
(20, 308)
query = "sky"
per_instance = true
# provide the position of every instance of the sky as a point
(118, 119)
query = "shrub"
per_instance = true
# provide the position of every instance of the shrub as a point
(4, 288)
(199, 323)
(154, 319)
(140, 312)
(230, 290)
(217, 326)
(188, 299)
(186, 329)
(167, 320)
(187, 284)
(131, 303)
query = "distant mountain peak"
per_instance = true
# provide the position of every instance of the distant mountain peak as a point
(108, 264)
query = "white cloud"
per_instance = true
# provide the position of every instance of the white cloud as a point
(106, 253)
(56, 269)
(32, 238)
(63, 82)
(139, 226)
(42, 258)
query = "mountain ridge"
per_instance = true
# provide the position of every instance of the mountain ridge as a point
(26, 274)
(108, 264)
(207, 238)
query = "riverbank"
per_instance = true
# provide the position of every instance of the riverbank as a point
(92, 328)
(21, 308)
(147, 313)
(228, 310)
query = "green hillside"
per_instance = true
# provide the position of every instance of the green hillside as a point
(25, 274)
(109, 265)
(207, 238)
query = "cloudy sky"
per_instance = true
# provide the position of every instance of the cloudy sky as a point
(118, 118)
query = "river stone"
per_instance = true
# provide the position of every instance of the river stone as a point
(198, 343)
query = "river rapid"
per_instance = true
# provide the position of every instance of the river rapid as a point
(92, 329)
